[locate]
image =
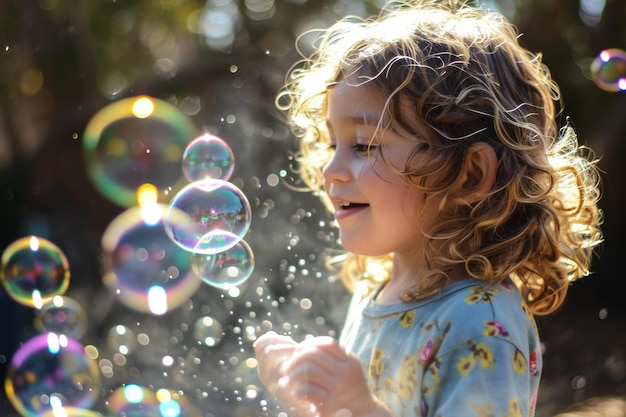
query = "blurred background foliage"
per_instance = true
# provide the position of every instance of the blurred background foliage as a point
(221, 63)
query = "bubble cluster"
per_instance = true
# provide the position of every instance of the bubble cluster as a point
(208, 216)
(34, 270)
(226, 269)
(135, 141)
(51, 371)
(608, 70)
(208, 156)
(143, 267)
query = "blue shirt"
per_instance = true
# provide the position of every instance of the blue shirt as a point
(471, 350)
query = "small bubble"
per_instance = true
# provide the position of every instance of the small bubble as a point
(306, 304)
(208, 216)
(608, 70)
(603, 314)
(34, 271)
(226, 269)
(578, 382)
(208, 156)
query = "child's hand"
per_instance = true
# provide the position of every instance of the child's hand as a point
(320, 372)
(272, 351)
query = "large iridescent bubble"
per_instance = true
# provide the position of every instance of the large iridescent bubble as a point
(34, 270)
(135, 141)
(143, 267)
(70, 412)
(208, 156)
(608, 70)
(51, 371)
(208, 216)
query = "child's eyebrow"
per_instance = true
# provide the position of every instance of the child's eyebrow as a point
(363, 120)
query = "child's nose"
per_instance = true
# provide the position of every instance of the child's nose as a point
(336, 170)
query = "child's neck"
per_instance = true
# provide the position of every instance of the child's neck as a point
(394, 290)
(390, 293)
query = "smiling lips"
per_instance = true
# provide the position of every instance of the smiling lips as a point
(346, 208)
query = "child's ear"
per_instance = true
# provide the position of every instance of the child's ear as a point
(478, 174)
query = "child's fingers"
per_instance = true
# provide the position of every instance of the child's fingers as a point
(324, 352)
(271, 351)
(327, 344)
(305, 386)
(270, 338)
(314, 370)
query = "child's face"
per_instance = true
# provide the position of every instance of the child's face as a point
(377, 211)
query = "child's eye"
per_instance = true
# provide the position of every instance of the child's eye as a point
(364, 148)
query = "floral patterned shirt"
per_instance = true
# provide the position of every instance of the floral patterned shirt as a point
(472, 351)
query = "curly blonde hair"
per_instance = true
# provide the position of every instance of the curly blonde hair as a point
(468, 80)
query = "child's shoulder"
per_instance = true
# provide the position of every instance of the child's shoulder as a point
(471, 294)
(473, 309)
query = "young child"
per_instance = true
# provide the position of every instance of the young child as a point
(463, 207)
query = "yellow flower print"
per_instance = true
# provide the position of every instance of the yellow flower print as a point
(472, 299)
(407, 319)
(484, 355)
(426, 327)
(480, 353)
(466, 364)
(493, 328)
(483, 409)
(514, 409)
(519, 362)
(407, 380)
(479, 294)
(376, 366)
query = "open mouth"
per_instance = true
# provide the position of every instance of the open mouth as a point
(353, 205)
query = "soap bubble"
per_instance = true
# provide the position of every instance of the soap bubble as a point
(135, 141)
(62, 315)
(208, 157)
(226, 269)
(208, 331)
(608, 70)
(121, 339)
(34, 270)
(143, 267)
(208, 216)
(133, 401)
(51, 371)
